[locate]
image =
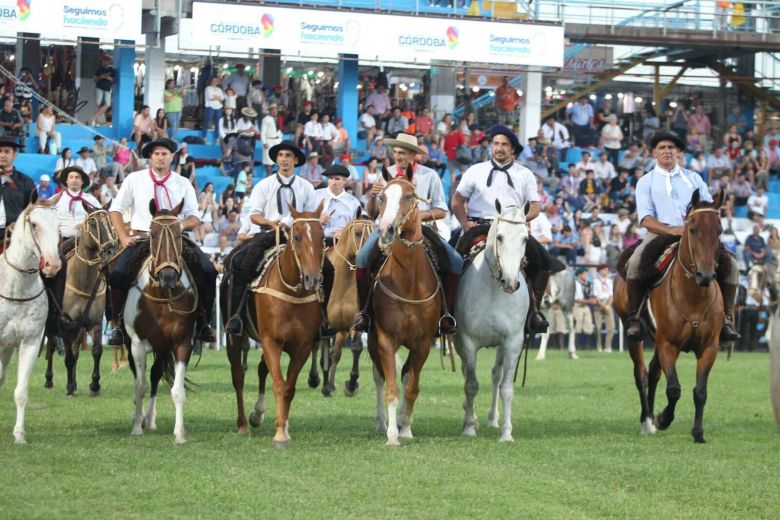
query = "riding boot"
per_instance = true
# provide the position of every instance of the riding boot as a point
(326, 330)
(537, 322)
(636, 294)
(728, 332)
(447, 323)
(235, 324)
(362, 321)
(118, 298)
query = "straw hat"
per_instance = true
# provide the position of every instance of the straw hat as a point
(405, 141)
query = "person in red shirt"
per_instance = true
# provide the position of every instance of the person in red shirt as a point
(507, 99)
(452, 142)
(425, 124)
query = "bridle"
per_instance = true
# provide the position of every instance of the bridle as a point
(31, 271)
(105, 238)
(166, 244)
(366, 226)
(291, 244)
(412, 211)
(495, 270)
(692, 272)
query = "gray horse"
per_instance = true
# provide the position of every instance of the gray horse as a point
(560, 292)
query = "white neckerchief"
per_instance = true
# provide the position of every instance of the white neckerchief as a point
(669, 174)
(333, 196)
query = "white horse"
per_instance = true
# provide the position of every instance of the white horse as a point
(560, 291)
(774, 362)
(23, 304)
(491, 310)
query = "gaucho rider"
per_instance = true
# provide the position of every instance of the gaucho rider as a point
(474, 203)
(662, 198)
(268, 208)
(167, 188)
(432, 206)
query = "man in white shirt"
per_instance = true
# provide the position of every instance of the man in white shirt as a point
(70, 206)
(312, 133)
(717, 164)
(368, 123)
(757, 203)
(604, 170)
(507, 181)
(239, 82)
(85, 162)
(602, 311)
(585, 164)
(580, 115)
(269, 136)
(339, 206)
(541, 229)
(166, 189)
(432, 206)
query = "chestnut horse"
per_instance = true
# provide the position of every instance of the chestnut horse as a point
(160, 317)
(686, 310)
(286, 315)
(406, 304)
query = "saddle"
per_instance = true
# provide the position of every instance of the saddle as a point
(471, 243)
(655, 262)
(434, 250)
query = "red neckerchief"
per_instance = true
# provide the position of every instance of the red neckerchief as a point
(73, 199)
(160, 183)
(402, 173)
(8, 181)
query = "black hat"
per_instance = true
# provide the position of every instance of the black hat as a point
(165, 143)
(336, 169)
(300, 159)
(505, 130)
(229, 136)
(666, 136)
(9, 141)
(63, 178)
(85, 149)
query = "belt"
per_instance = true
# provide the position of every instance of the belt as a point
(480, 220)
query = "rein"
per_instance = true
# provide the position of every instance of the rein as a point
(294, 288)
(405, 217)
(365, 225)
(691, 273)
(694, 323)
(31, 271)
(495, 271)
(102, 225)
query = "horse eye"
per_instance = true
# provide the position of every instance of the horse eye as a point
(295, 237)
(407, 197)
(693, 231)
(500, 238)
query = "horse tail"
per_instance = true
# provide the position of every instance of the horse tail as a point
(169, 373)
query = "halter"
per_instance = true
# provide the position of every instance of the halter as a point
(365, 225)
(104, 229)
(291, 244)
(405, 217)
(173, 247)
(31, 271)
(691, 273)
(495, 271)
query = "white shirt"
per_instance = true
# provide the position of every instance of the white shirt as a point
(268, 131)
(541, 228)
(313, 129)
(62, 164)
(263, 200)
(342, 208)
(602, 289)
(482, 199)
(367, 120)
(329, 132)
(243, 126)
(427, 185)
(71, 215)
(137, 190)
(88, 165)
(226, 127)
(558, 136)
(583, 166)
(211, 92)
(758, 204)
(604, 170)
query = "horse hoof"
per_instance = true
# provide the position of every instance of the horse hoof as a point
(349, 390)
(48, 384)
(70, 394)
(393, 443)
(94, 393)
(661, 423)
(255, 420)
(648, 428)
(314, 381)
(137, 432)
(405, 433)
(699, 440)
(469, 431)
(506, 438)
(283, 444)
(180, 441)
(19, 437)
(493, 423)
(243, 430)
(326, 391)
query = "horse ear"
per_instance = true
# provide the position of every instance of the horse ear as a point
(293, 212)
(410, 172)
(178, 208)
(88, 207)
(320, 207)
(152, 207)
(358, 212)
(54, 200)
(34, 196)
(498, 206)
(385, 174)
(527, 208)
(106, 205)
(721, 198)
(695, 198)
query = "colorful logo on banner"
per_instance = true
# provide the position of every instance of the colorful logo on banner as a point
(268, 25)
(24, 9)
(452, 37)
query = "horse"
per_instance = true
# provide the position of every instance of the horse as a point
(159, 316)
(23, 304)
(491, 297)
(560, 292)
(343, 306)
(774, 361)
(85, 296)
(686, 311)
(286, 317)
(406, 304)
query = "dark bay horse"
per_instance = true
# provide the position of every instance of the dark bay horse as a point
(406, 304)
(85, 296)
(286, 316)
(686, 310)
(160, 315)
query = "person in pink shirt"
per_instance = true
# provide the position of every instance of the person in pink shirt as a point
(700, 121)
(425, 123)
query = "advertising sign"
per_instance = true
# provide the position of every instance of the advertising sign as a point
(321, 33)
(104, 19)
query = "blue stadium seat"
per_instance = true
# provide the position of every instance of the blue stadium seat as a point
(740, 211)
(774, 199)
(574, 155)
(205, 151)
(35, 164)
(774, 186)
(773, 212)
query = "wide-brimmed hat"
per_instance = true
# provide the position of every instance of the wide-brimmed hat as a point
(287, 145)
(405, 141)
(248, 112)
(666, 136)
(312, 155)
(85, 149)
(336, 169)
(506, 131)
(9, 141)
(63, 178)
(165, 143)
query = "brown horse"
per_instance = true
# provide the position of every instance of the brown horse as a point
(406, 305)
(686, 310)
(159, 316)
(286, 317)
(85, 296)
(343, 306)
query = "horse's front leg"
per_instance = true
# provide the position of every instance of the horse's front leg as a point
(314, 375)
(271, 356)
(72, 348)
(704, 361)
(235, 355)
(49, 383)
(28, 353)
(97, 354)
(545, 338)
(467, 350)
(298, 356)
(386, 351)
(417, 357)
(351, 385)
(178, 392)
(155, 374)
(138, 350)
(513, 347)
(636, 350)
(667, 357)
(498, 374)
(258, 414)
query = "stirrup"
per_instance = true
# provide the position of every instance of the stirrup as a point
(728, 332)
(447, 324)
(537, 323)
(634, 328)
(206, 334)
(362, 322)
(235, 325)
(117, 339)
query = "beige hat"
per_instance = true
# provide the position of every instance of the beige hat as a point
(405, 141)
(248, 112)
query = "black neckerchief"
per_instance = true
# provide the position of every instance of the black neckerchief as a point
(497, 168)
(279, 192)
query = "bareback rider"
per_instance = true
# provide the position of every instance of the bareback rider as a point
(503, 179)
(432, 206)
(167, 188)
(662, 198)
(339, 206)
(268, 208)
(16, 188)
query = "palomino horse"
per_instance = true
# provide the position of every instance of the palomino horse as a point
(343, 306)
(160, 317)
(686, 310)
(406, 303)
(85, 295)
(491, 309)
(286, 316)
(560, 292)
(23, 304)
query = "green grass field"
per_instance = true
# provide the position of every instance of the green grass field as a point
(577, 450)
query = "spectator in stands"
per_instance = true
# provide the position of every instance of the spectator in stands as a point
(381, 103)
(762, 170)
(353, 183)
(214, 98)
(329, 134)
(207, 207)
(588, 186)
(541, 230)
(619, 186)
(312, 134)
(425, 124)
(741, 189)
(144, 128)
(172, 107)
(755, 248)
(378, 148)
(341, 143)
(717, 164)
(585, 163)
(238, 81)
(183, 163)
(396, 124)
(694, 141)
(580, 115)
(100, 151)
(367, 125)
(603, 114)
(611, 139)
(605, 170)
(507, 99)
(411, 118)
(437, 160)
(86, 163)
(772, 133)
(122, 157)
(227, 128)
(104, 81)
(11, 123)
(757, 203)
(161, 122)
(444, 126)
(700, 122)
(622, 223)
(732, 135)
(565, 245)
(602, 310)
(631, 236)
(45, 130)
(699, 165)
(614, 245)
(228, 230)
(650, 124)
(270, 135)
(45, 188)
(583, 299)
(256, 97)
(371, 175)
(680, 120)
(733, 153)
(482, 151)
(773, 243)
(632, 158)
(736, 119)
(773, 156)
(454, 142)
(108, 190)
(312, 170)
